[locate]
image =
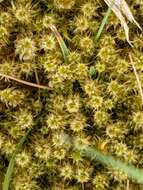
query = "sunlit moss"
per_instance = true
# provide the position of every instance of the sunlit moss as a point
(93, 100)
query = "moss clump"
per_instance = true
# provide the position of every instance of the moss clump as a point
(93, 98)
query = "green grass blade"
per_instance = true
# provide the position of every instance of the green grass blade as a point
(130, 170)
(11, 165)
(104, 21)
(61, 42)
(9, 172)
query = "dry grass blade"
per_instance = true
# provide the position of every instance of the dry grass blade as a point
(25, 82)
(137, 78)
(61, 42)
(122, 10)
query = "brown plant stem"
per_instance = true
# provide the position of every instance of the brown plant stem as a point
(137, 78)
(25, 82)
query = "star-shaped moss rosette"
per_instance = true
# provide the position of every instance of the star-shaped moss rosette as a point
(76, 101)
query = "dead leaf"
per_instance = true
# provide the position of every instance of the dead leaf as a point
(122, 10)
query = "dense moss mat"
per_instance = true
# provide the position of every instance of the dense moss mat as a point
(92, 97)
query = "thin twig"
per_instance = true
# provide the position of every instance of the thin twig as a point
(137, 78)
(24, 82)
(128, 185)
(37, 80)
(36, 76)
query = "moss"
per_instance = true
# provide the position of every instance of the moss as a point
(94, 98)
